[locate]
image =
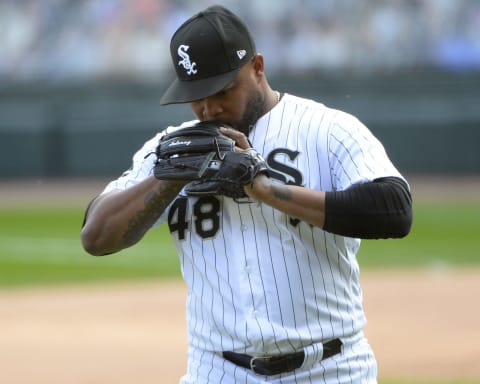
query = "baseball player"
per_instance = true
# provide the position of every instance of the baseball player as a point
(273, 280)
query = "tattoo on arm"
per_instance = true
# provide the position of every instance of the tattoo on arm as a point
(155, 204)
(281, 192)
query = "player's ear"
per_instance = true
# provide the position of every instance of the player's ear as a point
(258, 64)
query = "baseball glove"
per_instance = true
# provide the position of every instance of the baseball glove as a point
(192, 153)
(237, 169)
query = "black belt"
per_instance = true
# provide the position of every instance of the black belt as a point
(274, 365)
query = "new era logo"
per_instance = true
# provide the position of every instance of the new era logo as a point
(241, 53)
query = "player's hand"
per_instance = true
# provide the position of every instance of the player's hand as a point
(261, 181)
(237, 169)
(239, 137)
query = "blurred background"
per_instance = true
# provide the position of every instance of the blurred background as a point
(89, 74)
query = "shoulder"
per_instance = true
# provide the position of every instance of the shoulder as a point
(317, 105)
(302, 101)
(315, 113)
(303, 105)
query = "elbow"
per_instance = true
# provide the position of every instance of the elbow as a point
(399, 212)
(92, 243)
(403, 223)
(90, 235)
(89, 244)
(396, 224)
(387, 226)
(402, 226)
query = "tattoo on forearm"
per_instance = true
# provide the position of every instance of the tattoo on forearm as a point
(281, 192)
(155, 203)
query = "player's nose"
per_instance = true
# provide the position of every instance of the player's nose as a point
(211, 108)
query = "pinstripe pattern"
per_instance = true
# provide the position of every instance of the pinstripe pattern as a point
(260, 282)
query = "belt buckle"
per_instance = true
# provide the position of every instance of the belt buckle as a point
(254, 359)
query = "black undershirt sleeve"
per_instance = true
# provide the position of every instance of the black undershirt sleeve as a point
(373, 210)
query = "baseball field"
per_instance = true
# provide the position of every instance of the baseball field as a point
(69, 318)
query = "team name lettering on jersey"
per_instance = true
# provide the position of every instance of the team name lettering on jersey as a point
(280, 171)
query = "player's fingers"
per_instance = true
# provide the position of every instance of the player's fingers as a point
(240, 139)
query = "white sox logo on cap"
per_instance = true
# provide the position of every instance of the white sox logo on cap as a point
(207, 52)
(185, 62)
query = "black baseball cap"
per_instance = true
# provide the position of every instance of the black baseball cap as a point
(207, 51)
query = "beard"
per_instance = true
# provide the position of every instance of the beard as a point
(253, 111)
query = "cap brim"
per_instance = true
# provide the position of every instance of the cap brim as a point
(186, 91)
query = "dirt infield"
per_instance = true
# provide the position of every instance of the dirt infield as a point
(421, 324)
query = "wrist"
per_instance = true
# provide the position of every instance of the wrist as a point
(259, 188)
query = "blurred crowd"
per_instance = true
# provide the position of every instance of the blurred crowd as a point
(65, 40)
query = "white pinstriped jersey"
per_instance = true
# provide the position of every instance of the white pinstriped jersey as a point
(259, 281)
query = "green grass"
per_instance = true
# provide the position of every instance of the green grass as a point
(442, 234)
(42, 246)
